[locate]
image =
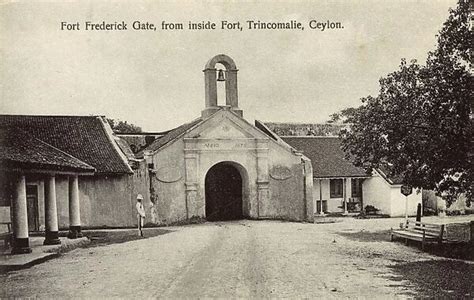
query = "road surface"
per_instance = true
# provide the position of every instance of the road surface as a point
(244, 259)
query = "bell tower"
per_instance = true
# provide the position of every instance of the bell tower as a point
(229, 76)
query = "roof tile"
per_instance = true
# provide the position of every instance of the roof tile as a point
(83, 137)
(19, 149)
(326, 156)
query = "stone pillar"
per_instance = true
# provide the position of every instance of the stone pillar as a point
(21, 241)
(210, 87)
(50, 211)
(232, 98)
(231, 92)
(191, 185)
(344, 195)
(321, 197)
(74, 209)
(263, 183)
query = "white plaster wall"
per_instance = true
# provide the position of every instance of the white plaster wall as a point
(316, 194)
(376, 192)
(225, 130)
(171, 200)
(287, 197)
(104, 201)
(325, 189)
(140, 182)
(333, 204)
(398, 202)
(309, 190)
(62, 201)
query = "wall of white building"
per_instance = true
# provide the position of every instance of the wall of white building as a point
(398, 202)
(333, 204)
(387, 198)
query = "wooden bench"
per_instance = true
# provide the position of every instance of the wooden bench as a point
(5, 226)
(419, 231)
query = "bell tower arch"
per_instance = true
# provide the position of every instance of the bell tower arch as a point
(210, 85)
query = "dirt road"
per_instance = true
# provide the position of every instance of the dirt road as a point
(249, 259)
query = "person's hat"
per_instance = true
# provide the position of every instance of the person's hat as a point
(139, 197)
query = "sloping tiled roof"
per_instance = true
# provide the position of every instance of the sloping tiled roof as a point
(83, 137)
(172, 135)
(19, 150)
(141, 140)
(123, 145)
(326, 156)
(385, 172)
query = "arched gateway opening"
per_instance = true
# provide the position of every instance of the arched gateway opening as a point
(224, 191)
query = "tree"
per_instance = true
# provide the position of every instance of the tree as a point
(419, 124)
(341, 116)
(123, 126)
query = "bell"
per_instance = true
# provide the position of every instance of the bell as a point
(220, 75)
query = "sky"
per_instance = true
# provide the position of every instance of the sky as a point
(154, 79)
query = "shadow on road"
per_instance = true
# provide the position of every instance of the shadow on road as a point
(458, 250)
(439, 278)
(103, 238)
(366, 236)
(431, 278)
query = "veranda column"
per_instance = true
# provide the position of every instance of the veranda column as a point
(344, 192)
(21, 242)
(74, 209)
(51, 213)
(321, 197)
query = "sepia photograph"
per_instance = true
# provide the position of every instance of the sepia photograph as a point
(167, 149)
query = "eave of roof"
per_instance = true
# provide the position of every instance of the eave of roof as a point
(84, 137)
(384, 171)
(21, 151)
(172, 135)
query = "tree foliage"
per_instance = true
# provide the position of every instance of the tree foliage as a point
(341, 116)
(123, 126)
(419, 124)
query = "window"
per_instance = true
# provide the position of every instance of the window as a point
(318, 206)
(335, 188)
(356, 187)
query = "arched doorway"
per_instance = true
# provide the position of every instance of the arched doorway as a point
(223, 187)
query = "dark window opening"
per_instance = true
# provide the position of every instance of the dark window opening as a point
(336, 188)
(356, 187)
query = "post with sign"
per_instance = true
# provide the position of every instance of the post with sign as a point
(406, 190)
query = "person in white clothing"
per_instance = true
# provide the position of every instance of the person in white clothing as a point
(140, 214)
